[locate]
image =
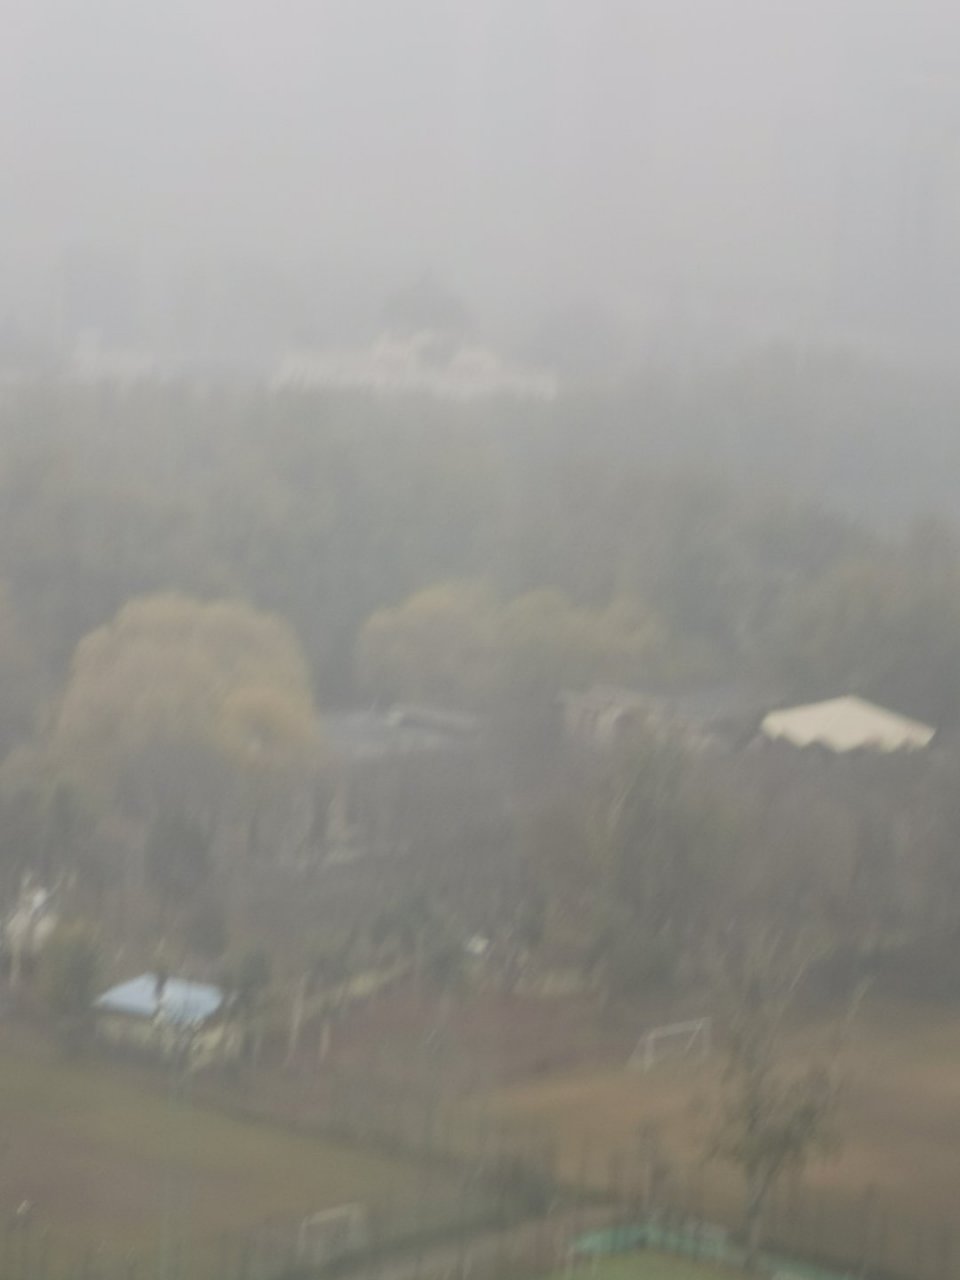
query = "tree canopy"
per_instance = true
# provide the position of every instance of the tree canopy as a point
(460, 642)
(176, 699)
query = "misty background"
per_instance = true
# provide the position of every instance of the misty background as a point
(234, 177)
(445, 449)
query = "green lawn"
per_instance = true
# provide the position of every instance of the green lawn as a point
(649, 1265)
(645, 1266)
(106, 1160)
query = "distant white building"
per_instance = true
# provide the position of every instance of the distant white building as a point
(603, 716)
(846, 724)
(426, 363)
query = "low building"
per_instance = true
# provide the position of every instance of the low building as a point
(392, 774)
(600, 716)
(169, 1017)
(847, 724)
(603, 716)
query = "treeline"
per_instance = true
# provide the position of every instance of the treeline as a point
(330, 509)
(876, 439)
(649, 863)
(189, 577)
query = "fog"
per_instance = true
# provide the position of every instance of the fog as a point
(692, 170)
(479, 639)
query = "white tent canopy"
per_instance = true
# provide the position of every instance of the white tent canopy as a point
(847, 724)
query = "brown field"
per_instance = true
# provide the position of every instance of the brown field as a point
(562, 1073)
(495, 1039)
(104, 1155)
(562, 1079)
(900, 1121)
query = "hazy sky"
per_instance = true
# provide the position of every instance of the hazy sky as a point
(531, 151)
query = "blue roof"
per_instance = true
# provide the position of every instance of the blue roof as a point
(185, 1004)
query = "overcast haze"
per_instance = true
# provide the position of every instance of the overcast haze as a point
(781, 166)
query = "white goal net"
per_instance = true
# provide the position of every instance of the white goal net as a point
(674, 1040)
(331, 1234)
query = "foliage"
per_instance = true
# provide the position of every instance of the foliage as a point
(640, 854)
(336, 956)
(459, 643)
(177, 858)
(205, 928)
(184, 707)
(440, 645)
(179, 567)
(70, 977)
(777, 1111)
(247, 979)
(21, 676)
(47, 820)
(887, 629)
(294, 502)
(640, 858)
(420, 929)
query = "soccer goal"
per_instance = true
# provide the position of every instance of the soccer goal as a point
(332, 1234)
(675, 1040)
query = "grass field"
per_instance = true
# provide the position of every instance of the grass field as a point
(900, 1119)
(104, 1158)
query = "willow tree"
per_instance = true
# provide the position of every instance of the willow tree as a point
(188, 707)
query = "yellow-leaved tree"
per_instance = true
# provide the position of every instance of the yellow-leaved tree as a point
(458, 643)
(197, 708)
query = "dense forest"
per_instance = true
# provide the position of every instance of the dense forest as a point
(762, 557)
(192, 576)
